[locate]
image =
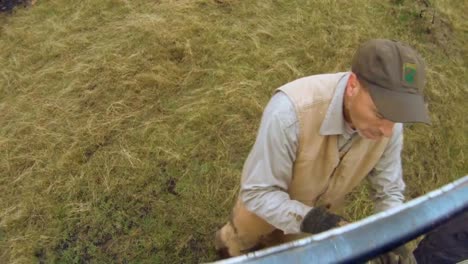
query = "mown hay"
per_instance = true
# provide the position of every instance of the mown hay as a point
(124, 124)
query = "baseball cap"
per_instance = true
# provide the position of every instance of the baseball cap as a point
(395, 76)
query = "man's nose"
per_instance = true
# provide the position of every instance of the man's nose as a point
(387, 128)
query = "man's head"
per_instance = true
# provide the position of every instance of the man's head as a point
(385, 87)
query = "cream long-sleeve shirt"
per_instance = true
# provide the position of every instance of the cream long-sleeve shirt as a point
(267, 171)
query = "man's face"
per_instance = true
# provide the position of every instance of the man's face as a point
(364, 116)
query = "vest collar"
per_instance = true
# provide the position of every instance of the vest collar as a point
(334, 122)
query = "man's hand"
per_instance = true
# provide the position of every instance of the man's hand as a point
(319, 220)
(400, 255)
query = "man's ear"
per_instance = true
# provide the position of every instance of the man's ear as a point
(352, 87)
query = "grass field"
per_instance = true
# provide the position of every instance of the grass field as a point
(124, 125)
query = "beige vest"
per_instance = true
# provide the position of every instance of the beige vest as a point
(320, 177)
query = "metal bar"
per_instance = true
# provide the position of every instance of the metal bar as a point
(367, 238)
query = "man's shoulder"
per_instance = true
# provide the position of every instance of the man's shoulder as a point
(281, 107)
(312, 89)
(309, 81)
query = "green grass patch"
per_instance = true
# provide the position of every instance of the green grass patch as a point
(124, 125)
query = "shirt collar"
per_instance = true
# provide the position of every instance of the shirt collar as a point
(334, 122)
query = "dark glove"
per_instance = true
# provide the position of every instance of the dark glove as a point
(400, 255)
(319, 220)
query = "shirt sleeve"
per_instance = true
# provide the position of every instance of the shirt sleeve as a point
(267, 171)
(386, 178)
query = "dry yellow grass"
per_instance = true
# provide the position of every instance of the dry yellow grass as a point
(124, 124)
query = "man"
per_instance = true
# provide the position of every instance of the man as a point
(319, 137)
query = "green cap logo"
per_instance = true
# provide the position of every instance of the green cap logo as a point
(409, 72)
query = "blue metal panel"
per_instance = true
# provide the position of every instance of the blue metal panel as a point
(365, 239)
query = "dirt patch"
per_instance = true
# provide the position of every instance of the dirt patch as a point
(40, 255)
(438, 27)
(171, 185)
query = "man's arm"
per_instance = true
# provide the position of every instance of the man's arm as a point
(268, 169)
(387, 177)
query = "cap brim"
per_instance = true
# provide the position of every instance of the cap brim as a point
(399, 107)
